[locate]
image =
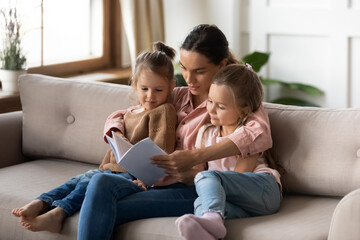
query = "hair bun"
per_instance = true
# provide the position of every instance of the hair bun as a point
(168, 51)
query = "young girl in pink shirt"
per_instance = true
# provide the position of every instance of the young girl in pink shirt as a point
(232, 187)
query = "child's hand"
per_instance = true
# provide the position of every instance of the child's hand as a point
(121, 135)
(117, 132)
(140, 184)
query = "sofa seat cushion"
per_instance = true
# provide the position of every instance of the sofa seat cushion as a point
(300, 217)
(19, 184)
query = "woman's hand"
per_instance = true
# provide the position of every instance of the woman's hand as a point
(186, 177)
(179, 165)
(140, 184)
(177, 162)
(183, 160)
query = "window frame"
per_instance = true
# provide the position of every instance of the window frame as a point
(89, 65)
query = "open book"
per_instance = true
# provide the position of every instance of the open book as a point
(136, 158)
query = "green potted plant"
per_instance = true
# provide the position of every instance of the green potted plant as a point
(12, 58)
(259, 59)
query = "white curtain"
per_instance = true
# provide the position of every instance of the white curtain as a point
(143, 23)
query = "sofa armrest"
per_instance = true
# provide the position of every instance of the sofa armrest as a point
(346, 218)
(11, 139)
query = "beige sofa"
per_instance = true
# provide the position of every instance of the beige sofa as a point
(59, 134)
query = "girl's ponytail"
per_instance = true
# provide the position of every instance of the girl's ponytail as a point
(159, 61)
(160, 46)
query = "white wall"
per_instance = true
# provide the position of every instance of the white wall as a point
(314, 42)
(182, 15)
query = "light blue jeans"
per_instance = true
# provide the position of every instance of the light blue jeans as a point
(71, 194)
(236, 195)
(112, 200)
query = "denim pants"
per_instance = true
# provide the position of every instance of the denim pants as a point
(236, 195)
(111, 200)
(70, 195)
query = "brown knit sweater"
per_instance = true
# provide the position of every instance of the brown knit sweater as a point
(159, 124)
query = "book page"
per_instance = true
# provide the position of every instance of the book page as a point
(118, 145)
(137, 161)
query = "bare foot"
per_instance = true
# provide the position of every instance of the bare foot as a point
(30, 210)
(50, 221)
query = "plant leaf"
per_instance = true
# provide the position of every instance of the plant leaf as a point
(256, 60)
(180, 81)
(268, 81)
(309, 89)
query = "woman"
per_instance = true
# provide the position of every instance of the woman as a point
(111, 200)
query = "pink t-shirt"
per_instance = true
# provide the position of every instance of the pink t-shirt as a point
(210, 135)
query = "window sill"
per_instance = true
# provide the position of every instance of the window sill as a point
(10, 102)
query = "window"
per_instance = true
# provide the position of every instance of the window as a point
(63, 37)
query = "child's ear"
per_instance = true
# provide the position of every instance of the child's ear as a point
(172, 86)
(245, 111)
(133, 83)
(244, 114)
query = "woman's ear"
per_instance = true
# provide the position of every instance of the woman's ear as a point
(223, 62)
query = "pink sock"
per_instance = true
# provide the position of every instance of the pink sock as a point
(213, 223)
(190, 229)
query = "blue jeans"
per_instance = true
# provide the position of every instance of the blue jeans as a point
(111, 200)
(236, 195)
(71, 194)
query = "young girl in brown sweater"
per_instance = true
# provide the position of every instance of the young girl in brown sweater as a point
(154, 117)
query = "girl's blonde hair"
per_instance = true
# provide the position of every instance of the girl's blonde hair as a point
(247, 91)
(244, 84)
(159, 61)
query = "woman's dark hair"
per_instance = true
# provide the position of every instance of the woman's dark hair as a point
(209, 41)
(159, 61)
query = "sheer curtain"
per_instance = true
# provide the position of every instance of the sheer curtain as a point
(143, 23)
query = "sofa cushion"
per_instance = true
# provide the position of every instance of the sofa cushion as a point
(21, 183)
(65, 118)
(319, 148)
(10, 139)
(300, 217)
(306, 217)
